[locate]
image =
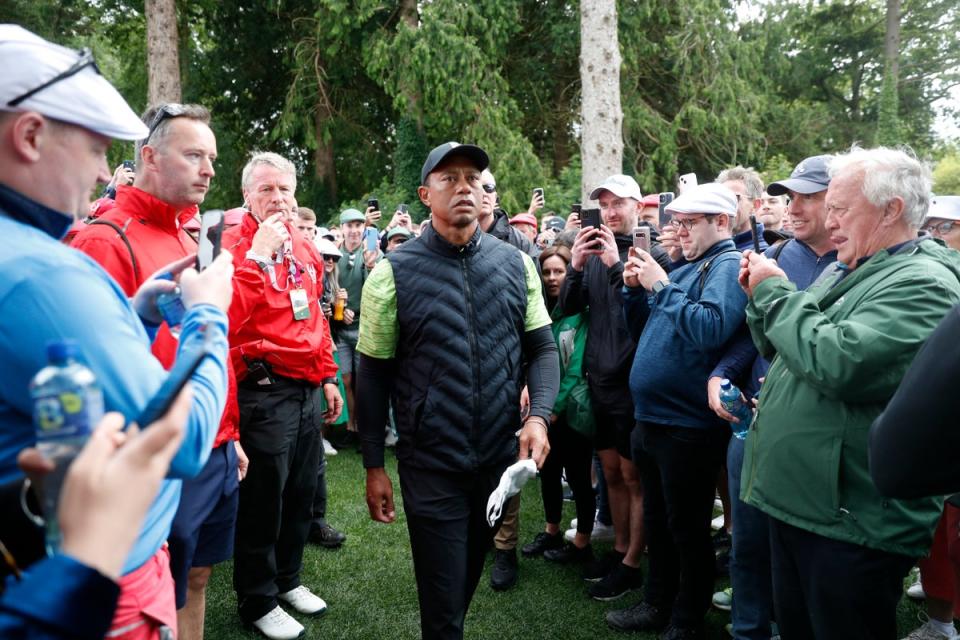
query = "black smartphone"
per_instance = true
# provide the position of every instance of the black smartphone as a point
(755, 232)
(402, 208)
(665, 199)
(184, 367)
(575, 207)
(128, 164)
(211, 233)
(590, 218)
(539, 192)
(374, 204)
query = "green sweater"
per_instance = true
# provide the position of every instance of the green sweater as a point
(571, 336)
(839, 351)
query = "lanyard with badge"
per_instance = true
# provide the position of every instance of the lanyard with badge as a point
(299, 302)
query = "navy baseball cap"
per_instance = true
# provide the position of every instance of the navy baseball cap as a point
(810, 176)
(449, 149)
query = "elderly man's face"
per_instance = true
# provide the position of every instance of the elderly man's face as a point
(853, 221)
(745, 204)
(489, 200)
(270, 191)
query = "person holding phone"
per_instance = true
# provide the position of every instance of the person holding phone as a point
(74, 113)
(284, 362)
(176, 169)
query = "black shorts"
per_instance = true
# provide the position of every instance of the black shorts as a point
(613, 431)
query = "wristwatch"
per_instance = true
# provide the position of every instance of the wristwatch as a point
(658, 286)
(260, 260)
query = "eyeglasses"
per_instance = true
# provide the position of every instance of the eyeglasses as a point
(940, 228)
(167, 111)
(490, 188)
(331, 259)
(85, 60)
(687, 223)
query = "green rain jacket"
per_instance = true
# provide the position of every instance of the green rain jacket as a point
(839, 350)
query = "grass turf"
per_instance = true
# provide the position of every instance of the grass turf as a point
(370, 591)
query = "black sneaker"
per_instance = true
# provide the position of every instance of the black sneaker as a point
(504, 572)
(326, 536)
(542, 542)
(639, 617)
(622, 580)
(681, 633)
(600, 569)
(570, 553)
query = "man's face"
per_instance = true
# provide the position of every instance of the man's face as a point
(704, 232)
(771, 211)
(808, 216)
(488, 200)
(619, 214)
(453, 193)
(337, 236)
(270, 191)
(745, 205)
(184, 163)
(308, 228)
(352, 234)
(78, 158)
(946, 230)
(528, 230)
(651, 215)
(395, 242)
(853, 222)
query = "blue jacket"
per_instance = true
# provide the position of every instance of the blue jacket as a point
(49, 291)
(682, 333)
(802, 266)
(58, 598)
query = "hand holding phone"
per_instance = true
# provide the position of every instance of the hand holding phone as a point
(590, 218)
(211, 232)
(372, 239)
(665, 199)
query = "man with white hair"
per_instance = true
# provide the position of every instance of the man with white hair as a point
(839, 549)
(281, 352)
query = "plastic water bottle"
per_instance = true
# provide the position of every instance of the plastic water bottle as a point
(735, 405)
(67, 405)
(170, 306)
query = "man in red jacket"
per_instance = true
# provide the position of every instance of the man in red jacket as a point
(281, 351)
(136, 238)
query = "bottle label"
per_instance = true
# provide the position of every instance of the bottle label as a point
(67, 414)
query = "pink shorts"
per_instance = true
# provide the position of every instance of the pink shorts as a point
(146, 602)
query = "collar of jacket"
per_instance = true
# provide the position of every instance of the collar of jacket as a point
(500, 229)
(19, 207)
(438, 243)
(151, 210)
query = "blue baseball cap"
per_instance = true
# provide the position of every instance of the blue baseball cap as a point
(810, 176)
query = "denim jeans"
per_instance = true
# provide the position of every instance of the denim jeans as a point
(749, 558)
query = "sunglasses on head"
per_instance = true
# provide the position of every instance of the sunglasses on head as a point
(165, 112)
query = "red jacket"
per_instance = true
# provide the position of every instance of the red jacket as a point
(153, 229)
(262, 326)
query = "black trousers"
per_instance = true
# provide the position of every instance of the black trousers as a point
(824, 588)
(320, 495)
(280, 432)
(572, 452)
(449, 538)
(678, 467)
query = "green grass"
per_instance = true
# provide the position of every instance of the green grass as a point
(369, 588)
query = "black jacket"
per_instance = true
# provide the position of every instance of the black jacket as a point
(505, 232)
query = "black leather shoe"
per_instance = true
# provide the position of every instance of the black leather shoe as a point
(328, 537)
(504, 572)
(639, 617)
(542, 542)
(570, 554)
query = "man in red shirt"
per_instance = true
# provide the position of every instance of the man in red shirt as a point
(174, 169)
(281, 351)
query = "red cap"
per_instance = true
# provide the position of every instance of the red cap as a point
(653, 200)
(524, 218)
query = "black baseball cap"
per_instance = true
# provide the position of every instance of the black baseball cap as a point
(810, 176)
(449, 149)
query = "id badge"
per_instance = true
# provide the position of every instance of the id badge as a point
(300, 304)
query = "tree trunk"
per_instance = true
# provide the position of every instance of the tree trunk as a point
(163, 56)
(325, 167)
(888, 122)
(602, 118)
(411, 17)
(891, 44)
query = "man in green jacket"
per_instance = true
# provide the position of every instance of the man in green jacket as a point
(840, 550)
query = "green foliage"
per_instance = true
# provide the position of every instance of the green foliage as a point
(946, 175)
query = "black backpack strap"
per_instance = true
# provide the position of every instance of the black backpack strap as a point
(779, 249)
(123, 236)
(705, 267)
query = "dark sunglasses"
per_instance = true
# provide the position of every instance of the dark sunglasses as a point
(331, 259)
(490, 188)
(85, 60)
(167, 111)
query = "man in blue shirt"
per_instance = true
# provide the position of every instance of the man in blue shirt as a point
(58, 116)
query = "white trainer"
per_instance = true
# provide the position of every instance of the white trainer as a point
(328, 449)
(278, 625)
(304, 601)
(601, 532)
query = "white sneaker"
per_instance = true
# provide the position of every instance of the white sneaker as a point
(390, 440)
(915, 590)
(328, 448)
(601, 532)
(573, 523)
(929, 632)
(278, 625)
(717, 523)
(304, 601)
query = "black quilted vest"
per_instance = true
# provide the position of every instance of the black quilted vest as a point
(461, 316)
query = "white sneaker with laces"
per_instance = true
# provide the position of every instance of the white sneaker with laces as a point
(304, 601)
(328, 448)
(278, 625)
(929, 632)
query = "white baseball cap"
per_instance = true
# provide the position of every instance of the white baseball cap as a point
(619, 185)
(61, 84)
(944, 207)
(712, 198)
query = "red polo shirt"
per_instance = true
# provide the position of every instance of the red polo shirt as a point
(262, 326)
(154, 230)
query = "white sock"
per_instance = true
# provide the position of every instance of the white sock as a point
(946, 628)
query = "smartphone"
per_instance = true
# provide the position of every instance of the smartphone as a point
(373, 203)
(686, 181)
(590, 218)
(184, 367)
(402, 208)
(129, 164)
(211, 232)
(539, 192)
(575, 208)
(665, 199)
(371, 238)
(755, 232)
(641, 238)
